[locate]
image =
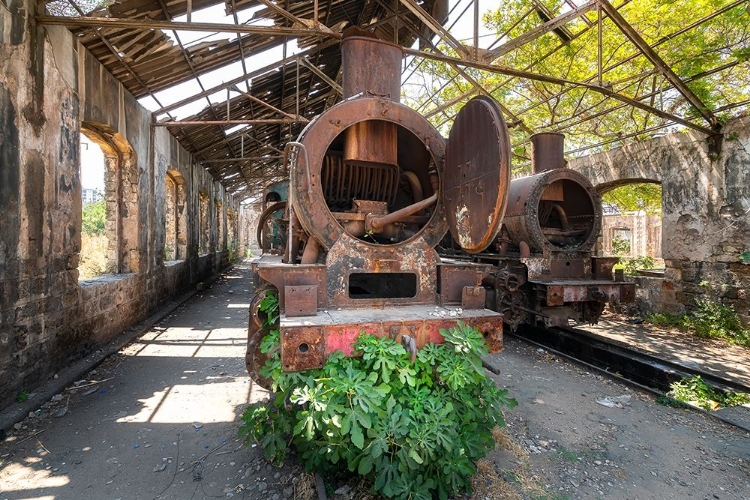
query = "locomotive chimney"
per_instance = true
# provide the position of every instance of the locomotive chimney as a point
(547, 152)
(371, 68)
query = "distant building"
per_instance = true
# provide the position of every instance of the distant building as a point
(90, 195)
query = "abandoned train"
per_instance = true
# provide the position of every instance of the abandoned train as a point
(357, 240)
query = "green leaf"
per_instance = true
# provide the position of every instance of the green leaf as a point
(358, 439)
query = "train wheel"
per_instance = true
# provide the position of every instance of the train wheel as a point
(509, 305)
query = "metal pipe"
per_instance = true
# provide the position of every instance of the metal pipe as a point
(379, 222)
(311, 251)
(416, 186)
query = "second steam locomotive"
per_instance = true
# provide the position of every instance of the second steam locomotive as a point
(385, 227)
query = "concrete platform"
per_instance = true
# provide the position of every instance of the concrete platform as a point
(725, 360)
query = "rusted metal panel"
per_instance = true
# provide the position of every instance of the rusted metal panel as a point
(454, 276)
(559, 293)
(307, 342)
(350, 255)
(476, 174)
(569, 268)
(372, 141)
(602, 267)
(301, 300)
(271, 270)
(555, 295)
(473, 297)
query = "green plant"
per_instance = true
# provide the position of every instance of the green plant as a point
(620, 246)
(415, 429)
(22, 397)
(712, 319)
(745, 257)
(696, 392)
(93, 218)
(667, 320)
(94, 260)
(631, 266)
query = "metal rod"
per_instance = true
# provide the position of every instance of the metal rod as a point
(560, 81)
(599, 45)
(657, 61)
(148, 24)
(274, 121)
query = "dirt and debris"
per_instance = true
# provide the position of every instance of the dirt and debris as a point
(159, 420)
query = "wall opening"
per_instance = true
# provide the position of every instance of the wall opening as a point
(175, 223)
(631, 225)
(204, 226)
(220, 226)
(98, 217)
(122, 222)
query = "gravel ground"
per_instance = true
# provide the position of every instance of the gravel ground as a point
(159, 420)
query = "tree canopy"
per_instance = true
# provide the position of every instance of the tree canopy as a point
(705, 42)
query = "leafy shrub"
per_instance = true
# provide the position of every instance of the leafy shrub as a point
(667, 320)
(711, 319)
(415, 429)
(620, 246)
(696, 392)
(631, 266)
(93, 218)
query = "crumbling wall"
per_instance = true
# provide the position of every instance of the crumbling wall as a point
(705, 210)
(49, 87)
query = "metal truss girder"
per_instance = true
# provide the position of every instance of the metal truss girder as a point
(559, 81)
(662, 66)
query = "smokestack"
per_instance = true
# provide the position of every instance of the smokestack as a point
(370, 66)
(547, 152)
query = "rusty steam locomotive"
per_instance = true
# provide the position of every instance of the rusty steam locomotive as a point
(374, 189)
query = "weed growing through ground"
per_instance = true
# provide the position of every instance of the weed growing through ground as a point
(709, 319)
(696, 392)
(22, 397)
(414, 429)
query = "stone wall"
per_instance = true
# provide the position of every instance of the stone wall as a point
(705, 210)
(51, 89)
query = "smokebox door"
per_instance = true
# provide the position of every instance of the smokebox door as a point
(476, 176)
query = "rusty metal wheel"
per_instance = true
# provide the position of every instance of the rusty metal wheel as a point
(254, 358)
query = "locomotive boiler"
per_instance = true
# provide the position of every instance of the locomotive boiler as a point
(373, 188)
(546, 270)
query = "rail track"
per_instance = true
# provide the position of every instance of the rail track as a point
(625, 363)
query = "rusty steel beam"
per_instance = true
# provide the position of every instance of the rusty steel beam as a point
(320, 74)
(243, 78)
(148, 24)
(273, 121)
(560, 81)
(662, 66)
(535, 33)
(436, 27)
(247, 158)
(272, 108)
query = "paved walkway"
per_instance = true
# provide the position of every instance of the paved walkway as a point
(152, 418)
(731, 362)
